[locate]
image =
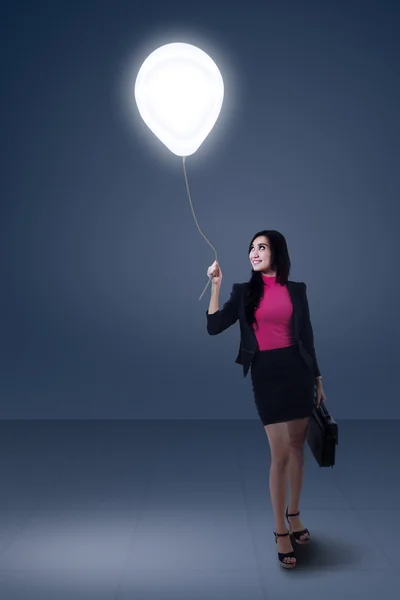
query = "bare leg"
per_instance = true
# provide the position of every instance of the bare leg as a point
(280, 451)
(297, 431)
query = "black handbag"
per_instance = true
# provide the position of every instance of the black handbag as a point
(322, 436)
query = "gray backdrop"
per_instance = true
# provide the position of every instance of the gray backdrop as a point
(101, 262)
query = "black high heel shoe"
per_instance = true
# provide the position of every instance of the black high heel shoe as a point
(283, 555)
(297, 534)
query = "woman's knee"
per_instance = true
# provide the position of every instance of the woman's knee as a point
(280, 460)
(279, 445)
(297, 431)
(297, 450)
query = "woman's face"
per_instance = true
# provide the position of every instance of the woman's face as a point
(260, 254)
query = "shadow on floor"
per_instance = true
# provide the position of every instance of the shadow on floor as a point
(328, 553)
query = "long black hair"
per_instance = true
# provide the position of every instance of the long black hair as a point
(280, 262)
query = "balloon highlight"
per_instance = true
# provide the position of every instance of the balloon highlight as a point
(179, 92)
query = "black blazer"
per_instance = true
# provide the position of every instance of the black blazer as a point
(233, 310)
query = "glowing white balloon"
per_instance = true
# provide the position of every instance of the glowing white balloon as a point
(179, 92)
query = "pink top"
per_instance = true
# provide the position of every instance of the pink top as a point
(273, 316)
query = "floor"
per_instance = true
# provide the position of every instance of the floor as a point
(178, 510)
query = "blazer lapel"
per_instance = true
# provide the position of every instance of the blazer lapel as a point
(295, 298)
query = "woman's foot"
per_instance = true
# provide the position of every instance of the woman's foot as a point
(296, 527)
(285, 550)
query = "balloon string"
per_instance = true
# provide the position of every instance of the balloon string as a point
(194, 216)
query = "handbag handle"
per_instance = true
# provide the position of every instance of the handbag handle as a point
(324, 409)
(327, 414)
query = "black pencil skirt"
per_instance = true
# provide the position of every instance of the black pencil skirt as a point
(283, 385)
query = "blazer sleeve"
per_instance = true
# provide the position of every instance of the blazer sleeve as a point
(307, 334)
(226, 316)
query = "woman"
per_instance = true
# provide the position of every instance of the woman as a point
(275, 321)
